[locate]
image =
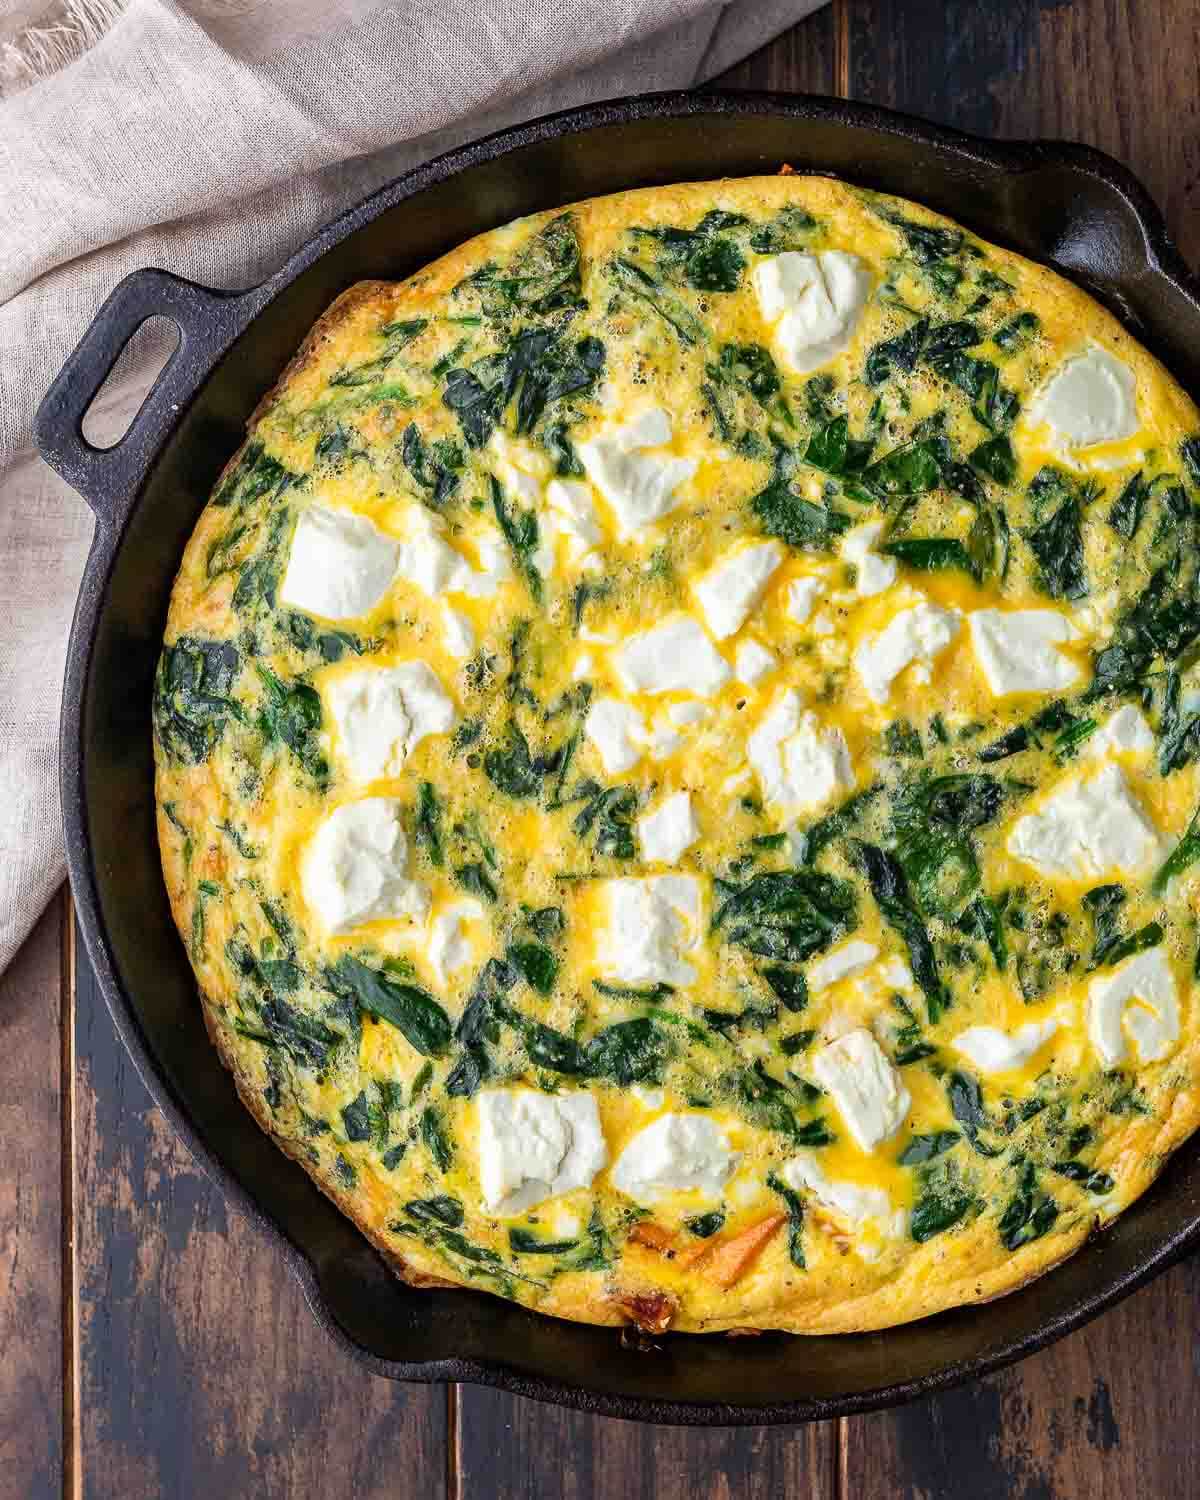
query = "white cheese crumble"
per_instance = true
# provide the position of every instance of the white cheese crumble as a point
(800, 764)
(914, 636)
(675, 656)
(677, 1153)
(651, 923)
(1138, 997)
(867, 1090)
(1017, 650)
(1124, 732)
(752, 662)
(450, 949)
(874, 573)
(629, 468)
(1090, 399)
(383, 713)
(856, 1206)
(425, 559)
(851, 958)
(995, 1051)
(573, 515)
(458, 635)
(355, 868)
(618, 732)
(534, 1146)
(669, 829)
(340, 565)
(1087, 828)
(734, 585)
(812, 302)
(802, 596)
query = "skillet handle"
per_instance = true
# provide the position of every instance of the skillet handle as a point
(109, 478)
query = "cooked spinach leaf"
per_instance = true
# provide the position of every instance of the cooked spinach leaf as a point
(795, 1211)
(788, 915)
(411, 1010)
(434, 466)
(193, 699)
(886, 878)
(290, 714)
(1030, 1214)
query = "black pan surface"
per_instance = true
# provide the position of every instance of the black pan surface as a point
(1054, 202)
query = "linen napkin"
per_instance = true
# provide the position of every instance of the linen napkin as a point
(212, 137)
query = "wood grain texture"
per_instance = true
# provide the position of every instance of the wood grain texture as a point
(1111, 1411)
(510, 1447)
(31, 1329)
(202, 1371)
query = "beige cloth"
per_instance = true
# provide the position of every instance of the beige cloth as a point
(212, 137)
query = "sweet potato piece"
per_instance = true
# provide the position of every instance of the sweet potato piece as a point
(731, 1258)
(652, 1312)
(653, 1237)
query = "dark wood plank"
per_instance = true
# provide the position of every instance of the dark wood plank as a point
(1113, 1410)
(1111, 1413)
(32, 1446)
(511, 1447)
(202, 1372)
(508, 1446)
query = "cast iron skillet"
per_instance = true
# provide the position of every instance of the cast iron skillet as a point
(1058, 203)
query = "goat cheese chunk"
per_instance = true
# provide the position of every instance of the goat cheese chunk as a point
(994, 1051)
(851, 958)
(677, 1153)
(1090, 399)
(618, 732)
(1138, 998)
(355, 868)
(874, 573)
(534, 1146)
(669, 829)
(631, 469)
(867, 1090)
(650, 924)
(734, 585)
(915, 636)
(426, 560)
(1018, 650)
(340, 565)
(812, 304)
(458, 634)
(802, 596)
(857, 1207)
(1088, 828)
(675, 656)
(450, 948)
(573, 515)
(752, 662)
(800, 764)
(383, 713)
(1124, 732)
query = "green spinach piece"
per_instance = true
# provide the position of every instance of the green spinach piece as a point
(1017, 332)
(526, 1242)
(796, 521)
(1030, 1214)
(520, 530)
(1185, 854)
(535, 963)
(474, 878)
(1057, 544)
(786, 915)
(943, 1200)
(629, 1052)
(441, 1209)
(967, 1107)
(609, 810)
(886, 878)
(437, 1142)
(290, 714)
(429, 824)
(683, 322)
(795, 1212)
(1126, 514)
(923, 1148)
(928, 554)
(412, 1011)
(435, 466)
(193, 696)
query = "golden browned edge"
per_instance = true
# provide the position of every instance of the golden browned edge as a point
(605, 1308)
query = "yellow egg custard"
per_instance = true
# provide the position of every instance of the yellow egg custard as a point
(677, 745)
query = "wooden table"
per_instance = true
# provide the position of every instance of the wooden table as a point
(151, 1344)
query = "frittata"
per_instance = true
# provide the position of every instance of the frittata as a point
(677, 743)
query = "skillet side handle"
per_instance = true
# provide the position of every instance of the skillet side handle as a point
(110, 478)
